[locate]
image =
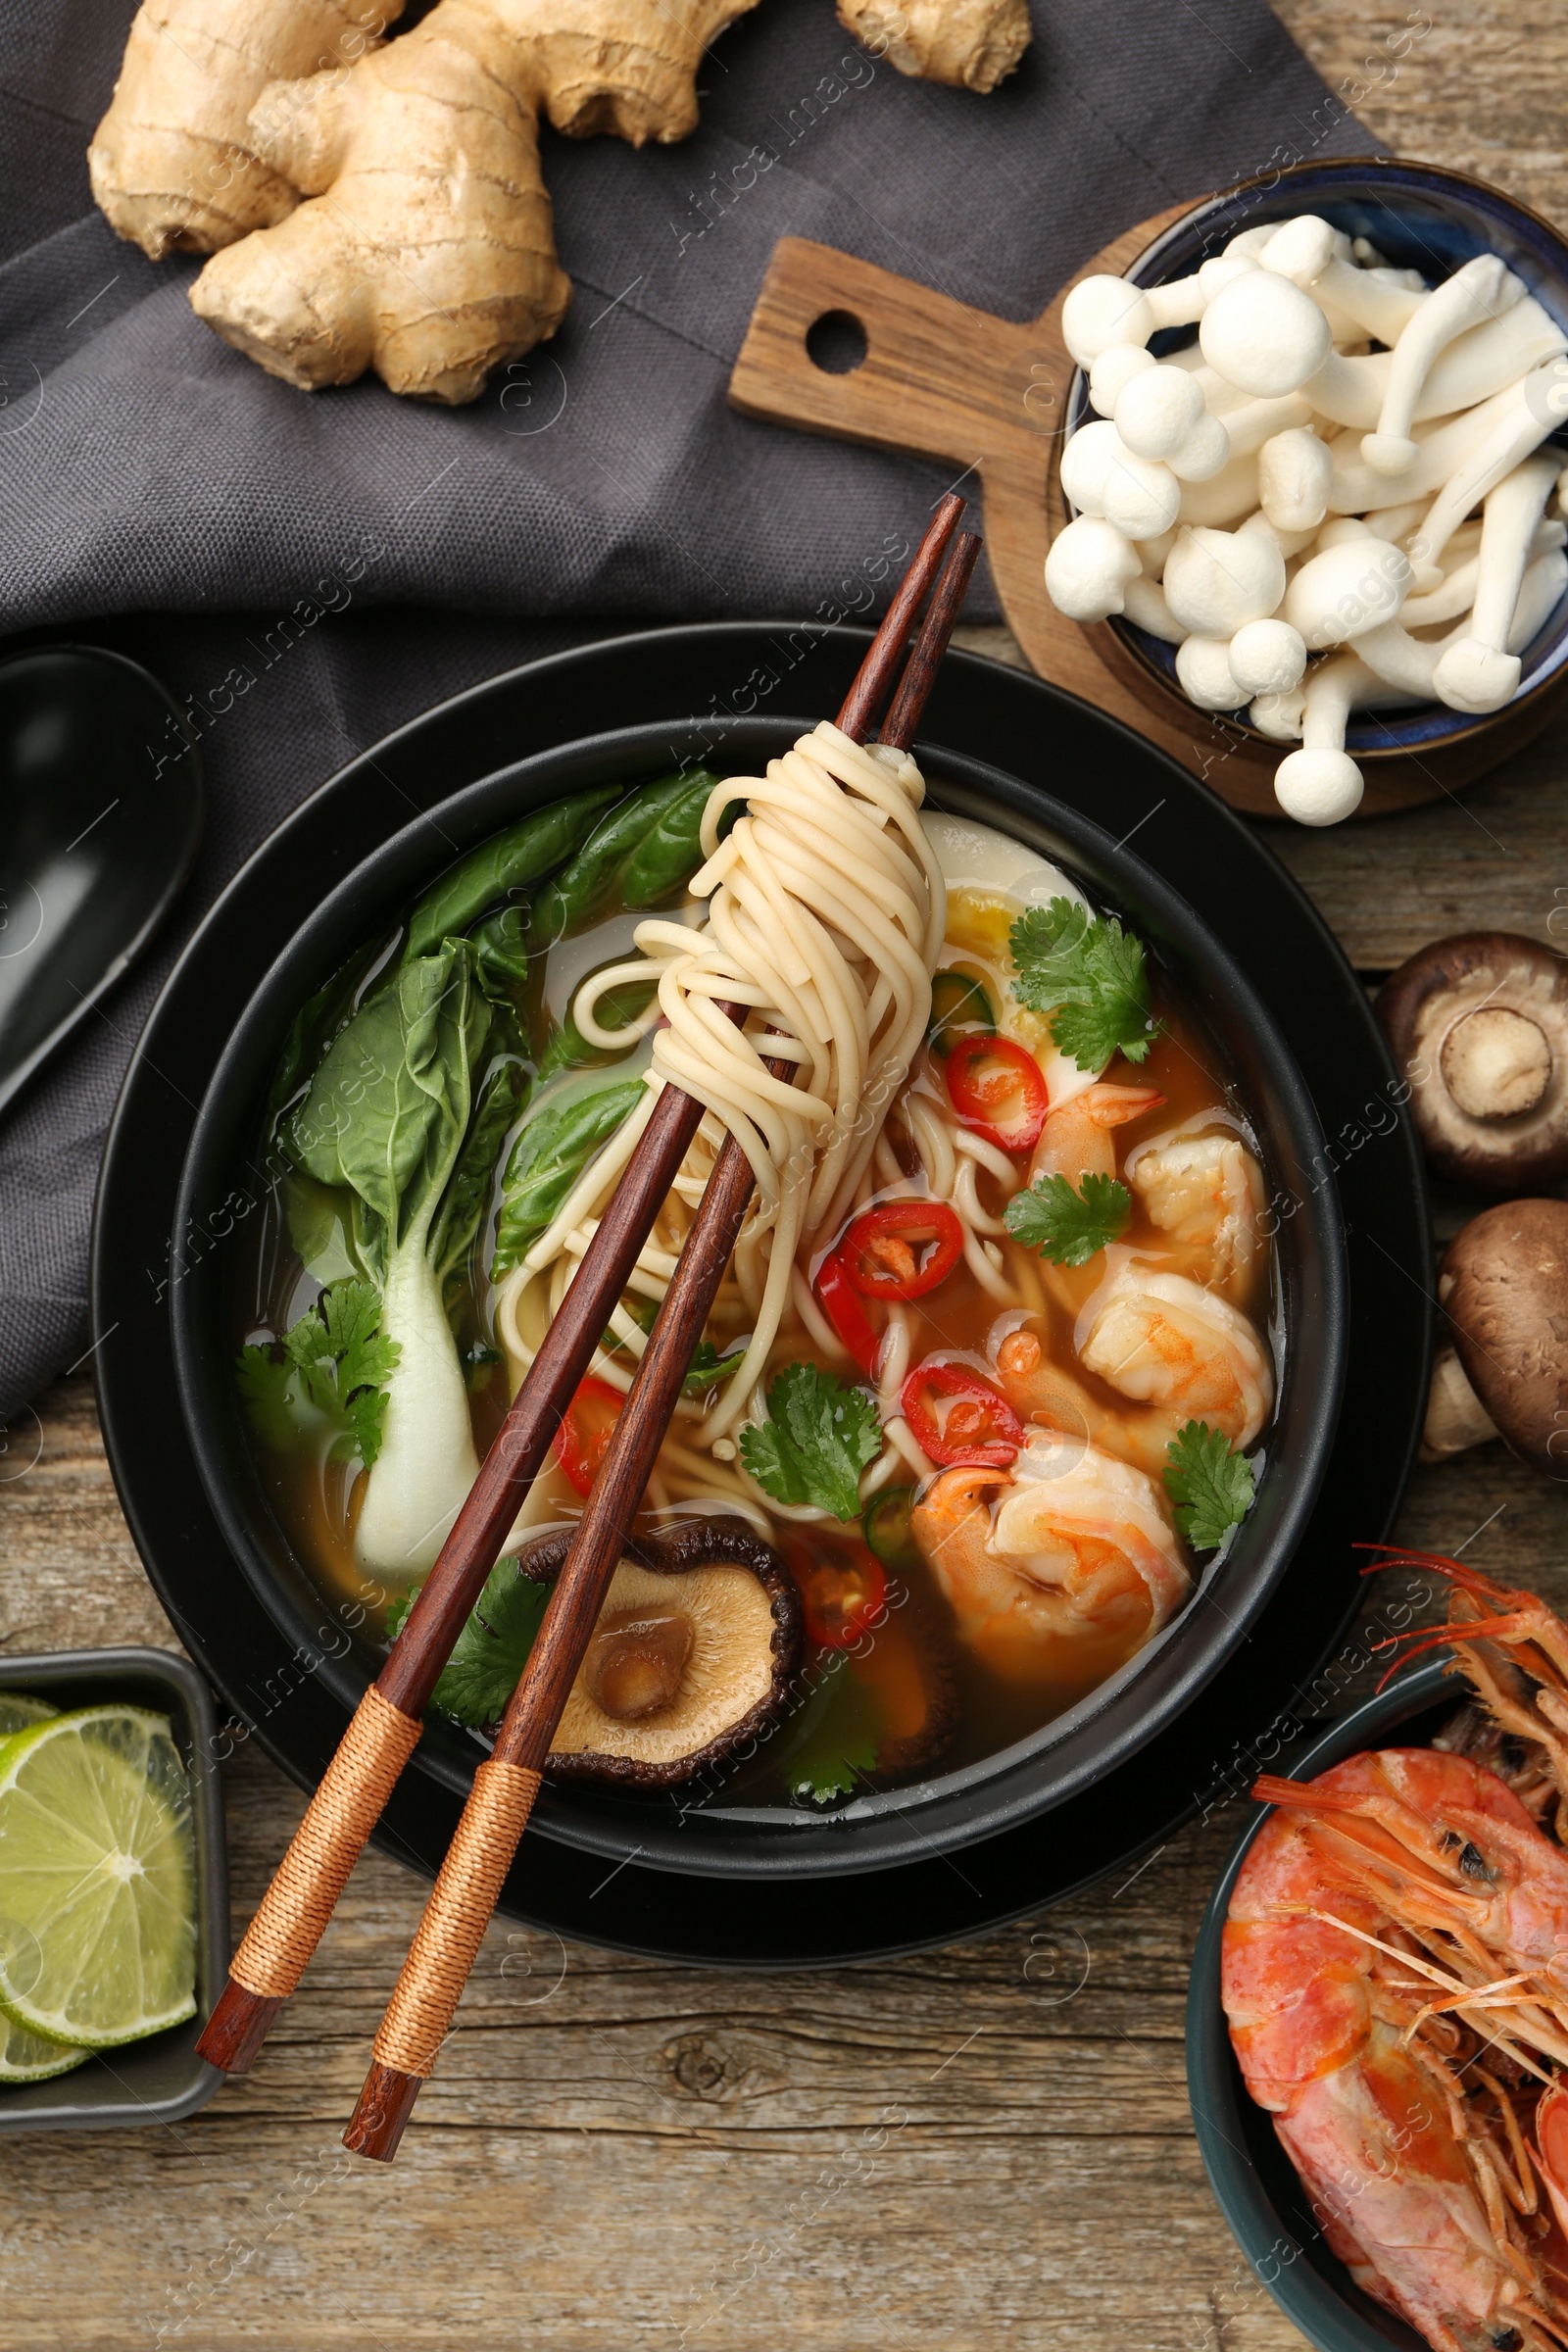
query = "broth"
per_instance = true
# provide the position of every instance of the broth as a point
(936, 1678)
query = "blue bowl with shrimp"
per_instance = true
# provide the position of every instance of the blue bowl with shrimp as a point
(1267, 2205)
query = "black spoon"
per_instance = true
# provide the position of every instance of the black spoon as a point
(101, 811)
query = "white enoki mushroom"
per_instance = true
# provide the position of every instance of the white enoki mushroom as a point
(826, 914)
(1101, 310)
(1276, 487)
(1483, 289)
(1294, 471)
(1479, 673)
(1321, 784)
(1217, 582)
(1202, 665)
(1526, 416)
(1263, 334)
(1089, 567)
(1267, 656)
(1348, 589)
(1350, 389)
(1143, 603)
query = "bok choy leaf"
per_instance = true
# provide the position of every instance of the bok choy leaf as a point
(402, 1112)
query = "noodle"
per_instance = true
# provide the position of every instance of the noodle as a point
(826, 915)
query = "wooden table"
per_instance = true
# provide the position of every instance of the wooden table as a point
(959, 2150)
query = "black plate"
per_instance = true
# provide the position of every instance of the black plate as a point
(101, 809)
(1031, 730)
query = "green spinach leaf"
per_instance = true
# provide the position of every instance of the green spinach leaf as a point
(547, 1159)
(522, 853)
(638, 853)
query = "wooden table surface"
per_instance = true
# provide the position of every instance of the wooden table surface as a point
(957, 2150)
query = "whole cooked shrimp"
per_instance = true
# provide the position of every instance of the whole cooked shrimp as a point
(1168, 1342)
(1072, 1548)
(1381, 2066)
(1075, 1140)
(1206, 1191)
(1513, 1651)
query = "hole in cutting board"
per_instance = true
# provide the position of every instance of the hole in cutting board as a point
(836, 343)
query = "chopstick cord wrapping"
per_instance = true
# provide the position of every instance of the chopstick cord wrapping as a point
(345, 1810)
(418, 2016)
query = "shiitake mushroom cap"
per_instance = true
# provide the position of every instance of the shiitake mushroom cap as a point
(746, 1623)
(1478, 1024)
(1503, 1285)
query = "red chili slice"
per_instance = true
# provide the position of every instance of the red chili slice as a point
(841, 1302)
(879, 1250)
(583, 1437)
(979, 1430)
(997, 1089)
(841, 1598)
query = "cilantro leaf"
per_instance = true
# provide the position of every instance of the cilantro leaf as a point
(264, 1385)
(336, 1363)
(1089, 976)
(1211, 1486)
(819, 1436)
(1066, 1226)
(492, 1649)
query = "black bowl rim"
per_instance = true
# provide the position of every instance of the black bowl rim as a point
(1145, 270)
(61, 2104)
(864, 1837)
(1335, 2322)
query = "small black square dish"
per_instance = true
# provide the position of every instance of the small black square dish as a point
(160, 2079)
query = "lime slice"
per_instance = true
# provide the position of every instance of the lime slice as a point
(97, 1879)
(28, 2058)
(19, 1709)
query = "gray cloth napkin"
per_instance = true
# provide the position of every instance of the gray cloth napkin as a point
(147, 470)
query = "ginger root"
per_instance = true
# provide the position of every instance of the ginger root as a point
(969, 44)
(425, 248)
(372, 205)
(173, 163)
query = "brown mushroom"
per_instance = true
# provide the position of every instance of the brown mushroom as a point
(1504, 1288)
(1479, 1028)
(699, 1633)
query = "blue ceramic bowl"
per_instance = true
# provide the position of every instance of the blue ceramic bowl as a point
(1421, 218)
(1252, 2179)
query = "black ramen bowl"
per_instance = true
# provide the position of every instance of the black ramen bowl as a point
(1252, 2177)
(1420, 216)
(223, 1180)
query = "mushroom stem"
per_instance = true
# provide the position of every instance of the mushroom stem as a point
(1356, 490)
(1350, 388)
(1143, 603)
(1523, 418)
(1482, 290)
(1321, 784)
(1478, 672)
(1417, 666)
(1456, 1418)
(1307, 249)
(1258, 422)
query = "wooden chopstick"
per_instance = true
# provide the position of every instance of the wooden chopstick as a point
(385, 1727)
(419, 2014)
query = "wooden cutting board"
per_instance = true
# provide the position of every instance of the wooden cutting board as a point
(989, 398)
